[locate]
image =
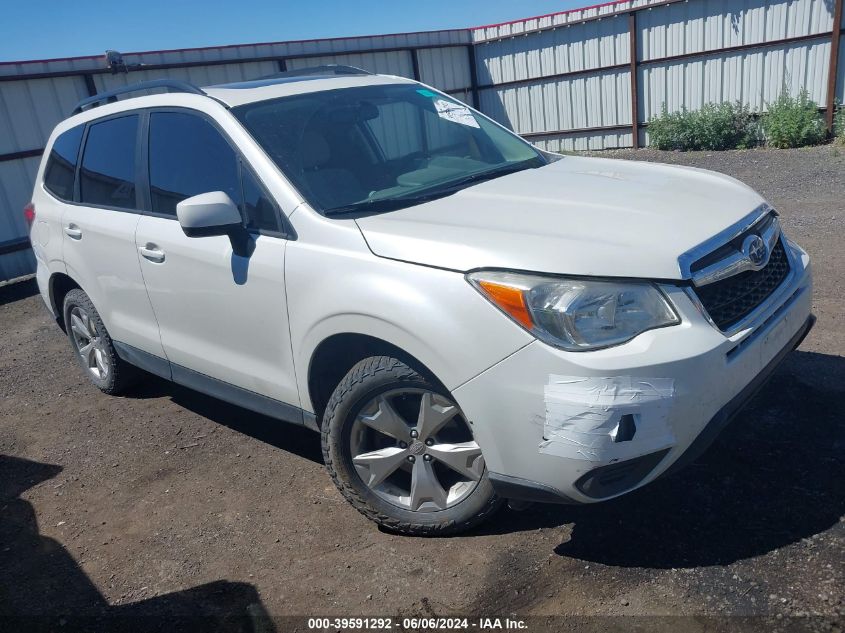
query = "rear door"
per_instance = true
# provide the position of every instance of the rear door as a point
(51, 199)
(221, 315)
(98, 232)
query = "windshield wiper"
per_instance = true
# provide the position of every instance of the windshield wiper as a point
(490, 174)
(380, 205)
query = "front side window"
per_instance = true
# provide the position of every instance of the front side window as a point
(61, 164)
(188, 156)
(383, 147)
(107, 176)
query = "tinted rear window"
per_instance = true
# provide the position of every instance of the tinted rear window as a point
(61, 165)
(107, 176)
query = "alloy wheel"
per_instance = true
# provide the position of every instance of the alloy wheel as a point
(414, 449)
(89, 345)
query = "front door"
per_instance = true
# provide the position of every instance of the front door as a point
(220, 315)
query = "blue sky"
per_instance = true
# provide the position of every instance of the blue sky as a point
(63, 28)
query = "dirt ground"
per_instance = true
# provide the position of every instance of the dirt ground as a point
(169, 502)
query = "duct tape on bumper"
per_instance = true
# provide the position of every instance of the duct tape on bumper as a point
(584, 417)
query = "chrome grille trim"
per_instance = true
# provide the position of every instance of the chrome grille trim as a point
(688, 259)
(738, 262)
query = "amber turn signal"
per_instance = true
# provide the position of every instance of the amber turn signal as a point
(509, 299)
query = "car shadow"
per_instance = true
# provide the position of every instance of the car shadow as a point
(45, 589)
(771, 479)
(283, 435)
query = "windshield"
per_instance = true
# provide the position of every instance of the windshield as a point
(378, 148)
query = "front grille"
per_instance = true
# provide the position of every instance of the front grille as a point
(730, 300)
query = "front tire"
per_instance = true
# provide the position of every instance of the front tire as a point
(402, 453)
(93, 347)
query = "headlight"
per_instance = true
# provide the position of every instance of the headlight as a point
(577, 314)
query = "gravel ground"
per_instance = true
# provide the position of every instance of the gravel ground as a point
(168, 502)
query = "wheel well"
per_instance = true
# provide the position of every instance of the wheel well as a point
(60, 285)
(336, 355)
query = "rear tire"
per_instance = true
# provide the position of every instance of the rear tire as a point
(93, 347)
(402, 453)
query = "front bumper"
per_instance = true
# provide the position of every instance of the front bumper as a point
(584, 427)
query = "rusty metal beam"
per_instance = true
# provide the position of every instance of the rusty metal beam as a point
(635, 93)
(581, 130)
(833, 68)
(473, 77)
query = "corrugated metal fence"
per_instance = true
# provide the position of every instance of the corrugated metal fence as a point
(584, 79)
(592, 79)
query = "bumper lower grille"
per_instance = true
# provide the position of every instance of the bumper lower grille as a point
(732, 299)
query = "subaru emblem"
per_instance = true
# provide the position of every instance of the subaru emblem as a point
(755, 249)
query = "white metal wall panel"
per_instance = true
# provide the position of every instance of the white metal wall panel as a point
(598, 100)
(72, 64)
(754, 78)
(585, 46)
(16, 178)
(694, 27)
(445, 68)
(29, 110)
(840, 80)
(197, 75)
(390, 63)
(18, 264)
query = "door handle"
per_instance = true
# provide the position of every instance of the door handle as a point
(152, 253)
(73, 232)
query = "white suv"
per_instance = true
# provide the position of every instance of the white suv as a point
(464, 318)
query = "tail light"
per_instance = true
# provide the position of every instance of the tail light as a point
(29, 214)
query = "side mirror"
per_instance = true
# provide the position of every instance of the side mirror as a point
(214, 213)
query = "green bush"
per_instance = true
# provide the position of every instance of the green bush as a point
(839, 124)
(717, 126)
(793, 122)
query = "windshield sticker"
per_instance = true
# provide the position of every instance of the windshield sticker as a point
(426, 93)
(455, 112)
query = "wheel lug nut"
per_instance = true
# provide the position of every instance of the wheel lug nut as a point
(429, 442)
(403, 445)
(412, 459)
(427, 457)
(414, 434)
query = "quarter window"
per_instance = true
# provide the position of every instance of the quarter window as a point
(107, 176)
(61, 164)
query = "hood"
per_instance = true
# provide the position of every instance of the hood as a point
(577, 216)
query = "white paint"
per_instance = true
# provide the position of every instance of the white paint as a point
(583, 415)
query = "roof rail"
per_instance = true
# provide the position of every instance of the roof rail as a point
(326, 69)
(171, 85)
